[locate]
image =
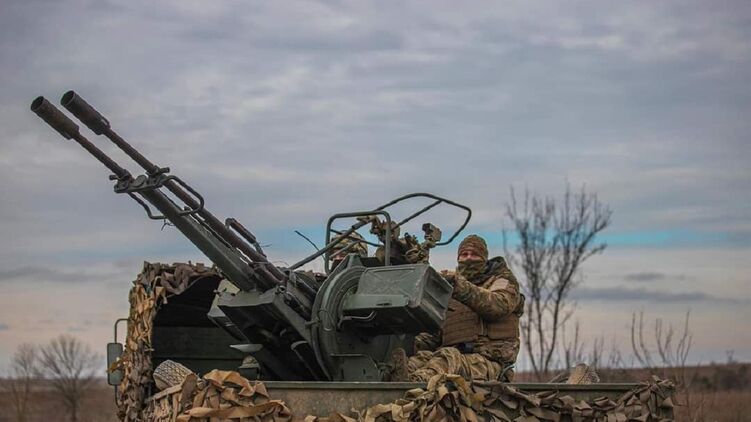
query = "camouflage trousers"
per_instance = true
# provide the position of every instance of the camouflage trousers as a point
(449, 360)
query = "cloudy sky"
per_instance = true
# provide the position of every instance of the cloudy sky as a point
(282, 113)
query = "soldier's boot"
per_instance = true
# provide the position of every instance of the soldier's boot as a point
(169, 374)
(559, 378)
(583, 374)
(397, 365)
(507, 373)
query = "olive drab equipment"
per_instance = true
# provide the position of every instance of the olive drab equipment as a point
(464, 325)
(297, 326)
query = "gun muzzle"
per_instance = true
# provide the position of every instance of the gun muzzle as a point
(85, 112)
(54, 117)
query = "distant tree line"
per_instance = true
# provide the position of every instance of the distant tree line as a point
(65, 363)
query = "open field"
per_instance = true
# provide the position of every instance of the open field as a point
(98, 406)
(719, 393)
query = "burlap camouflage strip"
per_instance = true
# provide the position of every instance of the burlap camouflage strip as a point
(150, 290)
(450, 397)
(219, 395)
(651, 401)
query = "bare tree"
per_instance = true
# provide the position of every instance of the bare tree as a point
(70, 365)
(667, 354)
(668, 351)
(554, 240)
(24, 369)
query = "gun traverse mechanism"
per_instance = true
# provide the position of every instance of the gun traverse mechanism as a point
(339, 326)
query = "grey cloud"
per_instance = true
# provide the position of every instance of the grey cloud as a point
(618, 294)
(4, 327)
(645, 277)
(37, 274)
(282, 115)
(127, 264)
(653, 276)
(370, 41)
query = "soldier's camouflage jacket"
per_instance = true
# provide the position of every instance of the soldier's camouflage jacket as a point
(483, 315)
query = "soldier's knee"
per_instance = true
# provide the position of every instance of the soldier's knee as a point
(449, 353)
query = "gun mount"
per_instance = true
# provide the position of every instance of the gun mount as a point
(341, 325)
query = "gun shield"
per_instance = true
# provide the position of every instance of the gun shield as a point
(54, 117)
(85, 112)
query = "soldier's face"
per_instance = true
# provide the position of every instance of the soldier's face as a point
(336, 261)
(468, 255)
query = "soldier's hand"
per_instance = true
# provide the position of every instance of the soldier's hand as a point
(368, 219)
(449, 275)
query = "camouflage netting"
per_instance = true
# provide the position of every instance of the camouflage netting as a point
(219, 395)
(225, 395)
(150, 290)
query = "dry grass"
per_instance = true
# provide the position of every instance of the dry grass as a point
(98, 406)
(711, 406)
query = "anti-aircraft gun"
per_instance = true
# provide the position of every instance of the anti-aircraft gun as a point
(340, 326)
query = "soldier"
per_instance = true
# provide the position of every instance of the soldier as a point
(480, 336)
(406, 249)
(340, 251)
